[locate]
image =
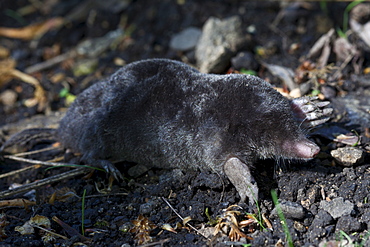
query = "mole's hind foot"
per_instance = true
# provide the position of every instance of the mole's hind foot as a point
(310, 111)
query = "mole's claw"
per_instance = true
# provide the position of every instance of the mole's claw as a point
(322, 104)
(318, 122)
(108, 167)
(311, 111)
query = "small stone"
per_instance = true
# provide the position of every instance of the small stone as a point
(207, 232)
(299, 226)
(337, 207)
(350, 173)
(348, 224)
(291, 210)
(348, 156)
(329, 92)
(8, 97)
(186, 39)
(137, 170)
(326, 243)
(149, 207)
(244, 60)
(189, 237)
(317, 228)
(219, 42)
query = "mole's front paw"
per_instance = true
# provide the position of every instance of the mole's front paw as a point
(240, 176)
(108, 167)
(310, 111)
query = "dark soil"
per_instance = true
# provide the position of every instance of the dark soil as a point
(119, 214)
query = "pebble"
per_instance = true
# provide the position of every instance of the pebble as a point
(337, 207)
(244, 60)
(348, 224)
(137, 170)
(343, 242)
(186, 39)
(317, 228)
(8, 97)
(147, 208)
(219, 42)
(291, 210)
(348, 156)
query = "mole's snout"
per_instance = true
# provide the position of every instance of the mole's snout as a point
(307, 149)
(303, 149)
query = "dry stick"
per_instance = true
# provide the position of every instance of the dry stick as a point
(50, 232)
(51, 62)
(223, 187)
(35, 151)
(17, 171)
(344, 64)
(42, 182)
(45, 163)
(192, 227)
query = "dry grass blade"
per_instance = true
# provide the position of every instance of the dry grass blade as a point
(182, 219)
(50, 232)
(70, 230)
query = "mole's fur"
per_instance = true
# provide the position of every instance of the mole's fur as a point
(164, 113)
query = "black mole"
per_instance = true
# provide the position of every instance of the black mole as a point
(166, 114)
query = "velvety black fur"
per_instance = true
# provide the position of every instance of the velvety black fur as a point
(163, 113)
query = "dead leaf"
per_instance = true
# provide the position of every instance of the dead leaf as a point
(320, 44)
(348, 139)
(8, 72)
(359, 21)
(39, 94)
(28, 227)
(16, 203)
(284, 73)
(343, 49)
(33, 31)
(6, 65)
(4, 52)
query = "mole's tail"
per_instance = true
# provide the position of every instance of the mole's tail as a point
(29, 137)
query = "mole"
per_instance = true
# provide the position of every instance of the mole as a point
(163, 113)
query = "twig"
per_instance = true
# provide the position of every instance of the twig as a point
(34, 152)
(192, 227)
(46, 163)
(17, 171)
(223, 187)
(50, 232)
(51, 62)
(344, 64)
(42, 182)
